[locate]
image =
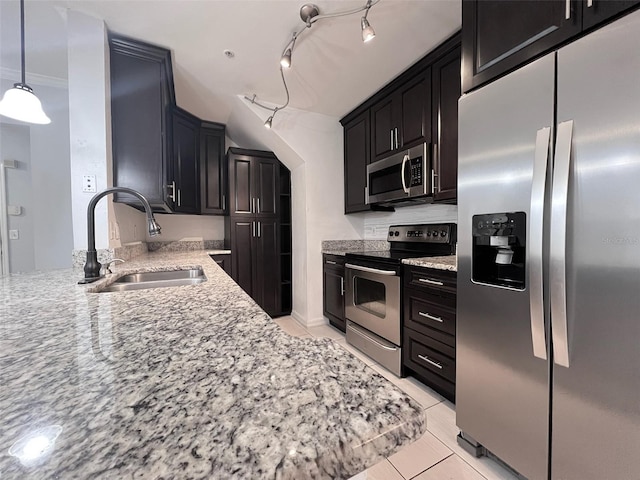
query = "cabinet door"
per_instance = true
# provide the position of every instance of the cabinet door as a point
(185, 159)
(243, 255)
(414, 99)
(141, 93)
(356, 159)
(223, 261)
(597, 11)
(383, 128)
(333, 300)
(266, 289)
(266, 188)
(498, 36)
(213, 170)
(240, 185)
(446, 92)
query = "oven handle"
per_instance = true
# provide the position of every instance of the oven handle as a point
(370, 270)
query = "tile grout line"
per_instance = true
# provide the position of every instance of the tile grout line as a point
(438, 462)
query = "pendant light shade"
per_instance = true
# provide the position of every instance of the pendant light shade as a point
(19, 102)
(367, 30)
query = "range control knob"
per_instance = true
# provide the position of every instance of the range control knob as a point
(397, 233)
(435, 234)
(428, 234)
(443, 233)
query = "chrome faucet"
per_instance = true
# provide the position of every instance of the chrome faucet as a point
(92, 266)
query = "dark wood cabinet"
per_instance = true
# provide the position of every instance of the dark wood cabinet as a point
(223, 260)
(446, 92)
(429, 314)
(499, 36)
(403, 118)
(356, 159)
(259, 228)
(333, 290)
(213, 169)
(419, 106)
(141, 97)
(186, 172)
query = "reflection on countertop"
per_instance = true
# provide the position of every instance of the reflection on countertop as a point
(193, 381)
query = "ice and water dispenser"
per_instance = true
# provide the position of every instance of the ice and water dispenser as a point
(499, 245)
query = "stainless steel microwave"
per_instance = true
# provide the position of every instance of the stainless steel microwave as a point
(404, 176)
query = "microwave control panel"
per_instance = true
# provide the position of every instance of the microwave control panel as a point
(416, 172)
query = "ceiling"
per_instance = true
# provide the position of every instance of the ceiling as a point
(332, 69)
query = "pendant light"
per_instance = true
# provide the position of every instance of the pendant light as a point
(19, 102)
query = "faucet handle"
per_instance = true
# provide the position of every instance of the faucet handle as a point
(106, 268)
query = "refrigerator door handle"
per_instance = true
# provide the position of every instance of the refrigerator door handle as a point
(536, 229)
(558, 245)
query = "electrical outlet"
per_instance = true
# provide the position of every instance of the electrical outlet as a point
(14, 235)
(89, 184)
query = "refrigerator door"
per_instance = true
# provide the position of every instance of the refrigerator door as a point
(502, 388)
(596, 399)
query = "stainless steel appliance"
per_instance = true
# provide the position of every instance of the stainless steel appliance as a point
(373, 297)
(405, 177)
(548, 350)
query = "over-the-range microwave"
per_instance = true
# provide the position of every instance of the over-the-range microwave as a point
(404, 177)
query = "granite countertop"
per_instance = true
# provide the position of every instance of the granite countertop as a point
(448, 262)
(188, 382)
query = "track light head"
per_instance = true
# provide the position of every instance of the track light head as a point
(368, 33)
(268, 124)
(285, 61)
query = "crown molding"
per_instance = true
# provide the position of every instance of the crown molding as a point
(33, 78)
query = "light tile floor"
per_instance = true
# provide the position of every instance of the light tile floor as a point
(436, 455)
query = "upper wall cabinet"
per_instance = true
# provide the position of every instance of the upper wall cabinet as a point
(254, 183)
(403, 118)
(421, 105)
(498, 36)
(169, 155)
(141, 97)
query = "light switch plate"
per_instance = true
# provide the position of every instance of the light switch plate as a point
(14, 235)
(89, 184)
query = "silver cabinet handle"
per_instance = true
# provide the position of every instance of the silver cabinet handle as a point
(253, 229)
(567, 9)
(370, 270)
(253, 201)
(430, 317)
(224, 202)
(433, 181)
(342, 286)
(404, 183)
(391, 132)
(259, 233)
(331, 262)
(536, 230)
(173, 191)
(396, 130)
(431, 362)
(179, 197)
(431, 282)
(558, 245)
(258, 205)
(589, 3)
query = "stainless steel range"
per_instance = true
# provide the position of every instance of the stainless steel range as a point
(373, 299)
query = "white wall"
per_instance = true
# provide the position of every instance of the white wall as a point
(41, 183)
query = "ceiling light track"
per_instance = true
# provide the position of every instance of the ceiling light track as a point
(310, 14)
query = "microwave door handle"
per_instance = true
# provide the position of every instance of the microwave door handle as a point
(404, 183)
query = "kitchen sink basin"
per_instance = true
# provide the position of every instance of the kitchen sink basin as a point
(143, 280)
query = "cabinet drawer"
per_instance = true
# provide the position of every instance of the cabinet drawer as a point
(333, 261)
(426, 354)
(424, 316)
(437, 281)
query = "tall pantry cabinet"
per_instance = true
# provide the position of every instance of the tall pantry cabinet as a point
(258, 228)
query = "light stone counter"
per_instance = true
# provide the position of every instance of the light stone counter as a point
(447, 262)
(183, 382)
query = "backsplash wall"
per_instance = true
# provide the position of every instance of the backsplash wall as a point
(376, 224)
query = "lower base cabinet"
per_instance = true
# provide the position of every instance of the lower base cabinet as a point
(429, 343)
(224, 261)
(333, 290)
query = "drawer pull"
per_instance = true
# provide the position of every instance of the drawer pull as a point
(430, 317)
(431, 282)
(429, 361)
(331, 262)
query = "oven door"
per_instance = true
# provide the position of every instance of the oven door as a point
(373, 300)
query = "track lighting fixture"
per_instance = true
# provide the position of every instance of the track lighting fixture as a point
(19, 102)
(310, 14)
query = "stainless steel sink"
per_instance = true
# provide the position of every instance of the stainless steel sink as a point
(143, 280)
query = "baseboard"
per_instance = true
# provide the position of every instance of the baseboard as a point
(316, 322)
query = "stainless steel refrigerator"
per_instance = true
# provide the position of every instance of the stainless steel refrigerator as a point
(548, 322)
